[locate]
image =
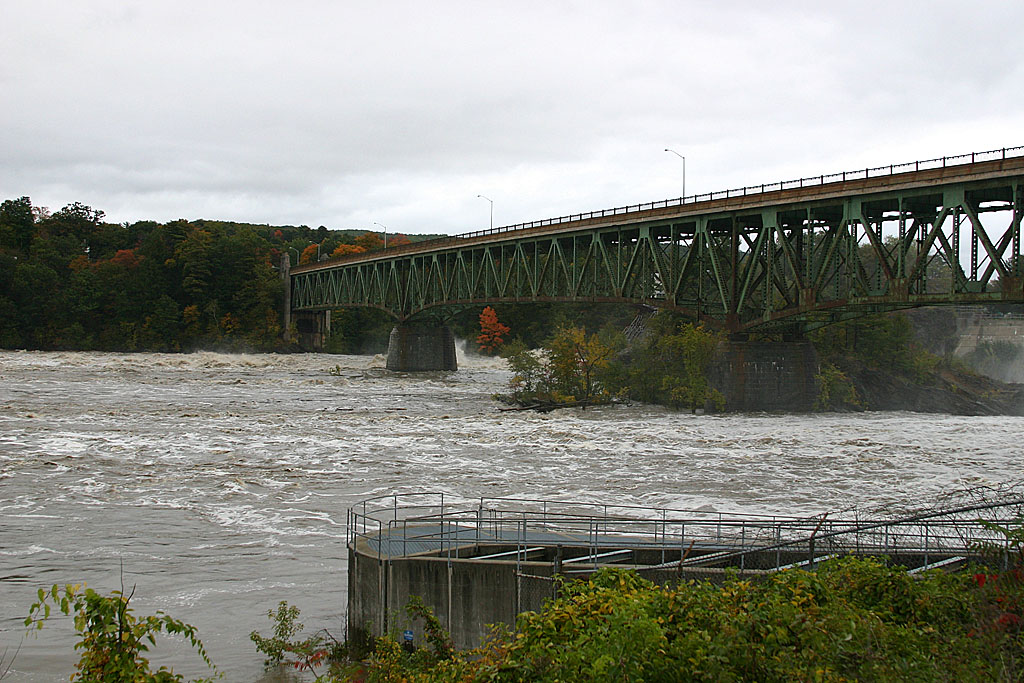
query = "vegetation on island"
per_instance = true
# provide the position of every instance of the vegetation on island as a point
(577, 368)
(872, 363)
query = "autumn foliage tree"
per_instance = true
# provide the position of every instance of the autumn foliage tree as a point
(346, 249)
(369, 241)
(570, 370)
(492, 331)
(308, 255)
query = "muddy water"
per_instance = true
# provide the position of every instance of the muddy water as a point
(216, 485)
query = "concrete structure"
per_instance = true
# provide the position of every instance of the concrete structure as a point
(992, 343)
(415, 347)
(978, 327)
(481, 564)
(312, 329)
(756, 375)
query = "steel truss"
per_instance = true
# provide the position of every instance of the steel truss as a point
(789, 261)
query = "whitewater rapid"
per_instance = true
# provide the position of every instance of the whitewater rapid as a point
(217, 484)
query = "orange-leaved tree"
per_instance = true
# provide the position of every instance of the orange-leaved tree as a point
(308, 254)
(346, 249)
(370, 241)
(492, 332)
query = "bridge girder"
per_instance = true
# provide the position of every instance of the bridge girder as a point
(773, 265)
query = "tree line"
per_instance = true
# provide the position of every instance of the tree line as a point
(70, 280)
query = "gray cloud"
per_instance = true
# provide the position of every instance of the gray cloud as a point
(344, 113)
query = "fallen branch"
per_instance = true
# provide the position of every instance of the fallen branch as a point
(548, 406)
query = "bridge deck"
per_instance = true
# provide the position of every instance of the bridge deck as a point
(748, 198)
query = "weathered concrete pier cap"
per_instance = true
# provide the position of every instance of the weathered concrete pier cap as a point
(416, 347)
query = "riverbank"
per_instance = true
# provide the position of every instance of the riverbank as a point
(945, 389)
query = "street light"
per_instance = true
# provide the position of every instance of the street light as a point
(297, 255)
(492, 208)
(385, 233)
(684, 169)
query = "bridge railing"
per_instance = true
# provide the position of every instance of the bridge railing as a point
(810, 181)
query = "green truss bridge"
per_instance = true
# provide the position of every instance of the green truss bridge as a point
(781, 257)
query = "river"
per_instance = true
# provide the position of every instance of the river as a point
(216, 485)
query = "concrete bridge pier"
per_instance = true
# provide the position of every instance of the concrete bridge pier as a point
(766, 375)
(313, 328)
(415, 347)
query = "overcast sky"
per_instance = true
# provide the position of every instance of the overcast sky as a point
(345, 113)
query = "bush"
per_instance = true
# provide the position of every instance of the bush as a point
(284, 647)
(670, 365)
(835, 390)
(568, 371)
(113, 640)
(853, 619)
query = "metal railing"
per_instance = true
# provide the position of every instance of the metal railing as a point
(810, 181)
(415, 523)
(537, 541)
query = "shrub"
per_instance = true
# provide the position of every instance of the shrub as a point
(113, 640)
(853, 619)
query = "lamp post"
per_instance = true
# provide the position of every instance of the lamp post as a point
(492, 208)
(684, 169)
(297, 255)
(385, 233)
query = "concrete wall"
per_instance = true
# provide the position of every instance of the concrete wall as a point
(754, 375)
(466, 595)
(978, 329)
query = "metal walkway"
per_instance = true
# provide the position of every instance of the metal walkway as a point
(516, 530)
